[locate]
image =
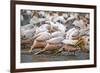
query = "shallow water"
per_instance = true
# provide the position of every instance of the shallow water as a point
(64, 56)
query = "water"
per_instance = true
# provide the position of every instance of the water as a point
(47, 56)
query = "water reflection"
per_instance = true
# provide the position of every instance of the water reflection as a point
(44, 57)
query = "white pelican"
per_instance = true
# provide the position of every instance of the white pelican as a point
(74, 32)
(40, 40)
(55, 40)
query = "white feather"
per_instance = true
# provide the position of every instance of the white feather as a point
(55, 40)
(71, 42)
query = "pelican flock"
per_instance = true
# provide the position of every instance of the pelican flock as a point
(50, 30)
